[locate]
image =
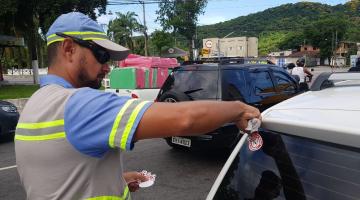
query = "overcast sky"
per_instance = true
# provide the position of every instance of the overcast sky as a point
(215, 11)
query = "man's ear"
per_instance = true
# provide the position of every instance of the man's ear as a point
(68, 49)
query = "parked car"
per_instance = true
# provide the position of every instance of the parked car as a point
(260, 85)
(311, 148)
(9, 117)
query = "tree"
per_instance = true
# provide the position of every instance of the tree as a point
(123, 27)
(181, 16)
(24, 18)
(293, 40)
(269, 41)
(161, 39)
(326, 33)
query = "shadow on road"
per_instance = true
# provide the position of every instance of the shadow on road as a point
(201, 154)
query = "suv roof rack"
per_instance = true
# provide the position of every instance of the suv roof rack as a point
(326, 79)
(245, 61)
(191, 62)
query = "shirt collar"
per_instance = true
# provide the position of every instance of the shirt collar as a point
(53, 79)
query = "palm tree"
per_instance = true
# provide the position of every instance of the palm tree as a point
(123, 27)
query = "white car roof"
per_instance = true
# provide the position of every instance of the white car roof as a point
(331, 115)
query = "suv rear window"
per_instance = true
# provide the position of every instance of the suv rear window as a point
(198, 84)
(290, 167)
(263, 83)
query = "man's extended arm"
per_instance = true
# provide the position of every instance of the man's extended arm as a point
(192, 118)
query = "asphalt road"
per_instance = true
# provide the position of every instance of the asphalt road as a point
(180, 174)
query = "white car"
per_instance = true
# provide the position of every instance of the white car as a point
(310, 148)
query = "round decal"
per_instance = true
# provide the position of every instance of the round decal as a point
(208, 43)
(255, 141)
(171, 50)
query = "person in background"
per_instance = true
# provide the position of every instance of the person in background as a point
(301, 71)
(70, 138)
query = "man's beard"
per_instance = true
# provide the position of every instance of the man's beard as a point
(84, 78)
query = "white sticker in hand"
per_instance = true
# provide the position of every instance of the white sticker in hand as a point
(255, 141)
(149, 182)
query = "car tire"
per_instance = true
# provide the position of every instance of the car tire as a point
(173, 97)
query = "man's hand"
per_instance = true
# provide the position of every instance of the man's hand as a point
(133, 179)
(248, 113)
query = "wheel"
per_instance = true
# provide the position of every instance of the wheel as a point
(173, 97)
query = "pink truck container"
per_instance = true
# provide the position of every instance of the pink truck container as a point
(140, 77)
(162, 74)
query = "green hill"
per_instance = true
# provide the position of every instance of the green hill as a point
(283, 27)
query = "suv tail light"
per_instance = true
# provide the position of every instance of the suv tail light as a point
(135, 96)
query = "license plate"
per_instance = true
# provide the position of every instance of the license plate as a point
(181, 141)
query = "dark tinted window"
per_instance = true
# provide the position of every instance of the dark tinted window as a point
(284, 82)
(262, 82)
(289, 167)
(197, 84)
(234, 85)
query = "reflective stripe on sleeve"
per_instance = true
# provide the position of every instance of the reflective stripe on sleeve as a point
(125, 196)
(130, 123)
(117, 121)
(40, 131)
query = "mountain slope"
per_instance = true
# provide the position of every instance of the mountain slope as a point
(286, 21)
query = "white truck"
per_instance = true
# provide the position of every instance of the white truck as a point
(149, 94)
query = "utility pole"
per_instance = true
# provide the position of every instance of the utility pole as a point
(332, 48)
(145, 34)
(305, 51)
(336, 44)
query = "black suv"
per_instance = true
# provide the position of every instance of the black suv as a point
(9, 117)
(259, 85)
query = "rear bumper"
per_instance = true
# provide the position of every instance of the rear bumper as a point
(224, 137)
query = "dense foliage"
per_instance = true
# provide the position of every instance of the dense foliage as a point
(22, 18)
(122, 28)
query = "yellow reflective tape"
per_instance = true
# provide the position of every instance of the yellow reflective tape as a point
(130, 124)
(106, 198)
(78, 33)
(57, 40)
(40, 125)
(126, 191)
(41, 137)
(125, 194)
(62, 39)
(117, 122)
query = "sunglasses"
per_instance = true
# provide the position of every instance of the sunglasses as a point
(101, 55)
